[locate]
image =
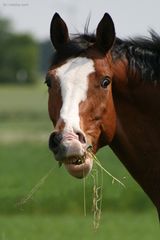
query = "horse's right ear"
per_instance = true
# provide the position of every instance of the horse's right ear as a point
(58, 32)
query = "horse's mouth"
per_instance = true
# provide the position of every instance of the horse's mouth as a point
(78, 166)
(72, 153)
(76, 160)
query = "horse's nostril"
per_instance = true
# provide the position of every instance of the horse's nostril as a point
(81, 137)
(54, 141)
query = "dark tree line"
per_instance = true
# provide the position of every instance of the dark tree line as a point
(22, 58)
(45, 56)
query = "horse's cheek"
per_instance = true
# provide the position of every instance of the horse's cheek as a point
(109, 123)
(53, 107)
(50, 106)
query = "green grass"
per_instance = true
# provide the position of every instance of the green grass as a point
(114, 226)
(23, 165)
(23, 113)
(28, 99)
(55, 211)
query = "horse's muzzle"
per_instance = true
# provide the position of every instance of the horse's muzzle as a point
(70, 149)
(54, 142)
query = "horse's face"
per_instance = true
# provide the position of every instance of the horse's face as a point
(80, 98)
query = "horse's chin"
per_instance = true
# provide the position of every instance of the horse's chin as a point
(79, 169)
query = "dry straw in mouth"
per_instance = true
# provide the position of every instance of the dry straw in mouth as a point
(98, 188)
(114, 179)
(34, 189)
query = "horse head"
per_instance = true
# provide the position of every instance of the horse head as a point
(80, 94)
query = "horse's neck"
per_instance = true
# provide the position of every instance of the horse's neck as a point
(137, 136)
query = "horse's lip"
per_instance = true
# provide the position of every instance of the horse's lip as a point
(79, 167)
(76, 160)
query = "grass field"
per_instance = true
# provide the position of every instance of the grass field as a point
(114, 226)
(55, 211)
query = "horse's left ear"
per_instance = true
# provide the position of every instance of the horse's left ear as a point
(58, 32)
(105, 34)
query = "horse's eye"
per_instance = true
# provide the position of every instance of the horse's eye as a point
(105, 82)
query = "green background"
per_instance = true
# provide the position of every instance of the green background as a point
(56, 210)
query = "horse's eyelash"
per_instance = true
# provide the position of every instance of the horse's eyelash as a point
(48, 81)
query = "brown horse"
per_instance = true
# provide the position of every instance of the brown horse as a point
(106, 91)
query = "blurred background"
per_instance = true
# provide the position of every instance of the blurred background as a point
(56, 209)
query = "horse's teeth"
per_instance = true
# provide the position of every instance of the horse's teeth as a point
(76, 161)
(79, 161)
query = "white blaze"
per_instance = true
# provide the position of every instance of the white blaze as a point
(73, 77)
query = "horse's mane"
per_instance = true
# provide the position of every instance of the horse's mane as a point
(78, 44)
(142, 53)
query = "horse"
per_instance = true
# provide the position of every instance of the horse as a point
(106, 91)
